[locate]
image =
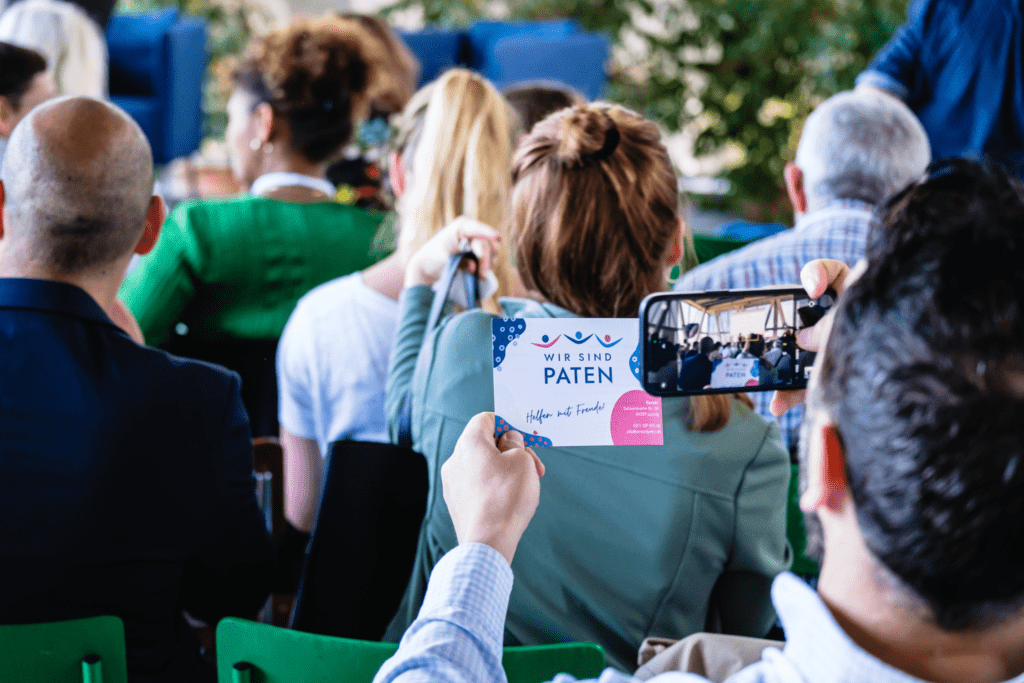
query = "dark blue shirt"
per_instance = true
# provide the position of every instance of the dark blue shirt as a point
(958, 65)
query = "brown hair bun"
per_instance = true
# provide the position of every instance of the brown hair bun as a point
(595, 207)
(586, 135)
(315, 74)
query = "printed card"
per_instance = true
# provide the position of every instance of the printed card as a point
(572, 382)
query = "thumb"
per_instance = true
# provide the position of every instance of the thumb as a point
(510, 440)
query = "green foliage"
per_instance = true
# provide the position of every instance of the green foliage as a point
(738, 75)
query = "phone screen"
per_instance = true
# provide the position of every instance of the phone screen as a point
(724, 342)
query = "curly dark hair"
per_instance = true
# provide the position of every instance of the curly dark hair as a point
(315, 74)
(923, 375)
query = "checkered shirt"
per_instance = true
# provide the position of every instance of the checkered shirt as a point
(837, 231)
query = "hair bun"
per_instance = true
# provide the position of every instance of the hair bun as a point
(586, 135)
(321, 66)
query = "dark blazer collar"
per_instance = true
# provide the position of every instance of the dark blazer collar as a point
(47, 295)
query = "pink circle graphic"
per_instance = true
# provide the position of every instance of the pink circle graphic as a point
(636, 420)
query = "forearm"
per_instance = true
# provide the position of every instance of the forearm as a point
(415, 309)
(303, 474)
(457, 637)
(896, 67)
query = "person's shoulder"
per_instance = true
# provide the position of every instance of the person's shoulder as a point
(198, 209)
(337, 211)
(734, 269)
(329, 309)
(468, 326)
(333, 295)
(168, 374)
(201, 220)
(742, 437)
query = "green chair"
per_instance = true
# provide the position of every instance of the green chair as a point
(709, 248)
(796, 533)
(260, 653)
(88, 650)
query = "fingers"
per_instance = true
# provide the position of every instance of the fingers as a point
(820, 274)
(484, 251)
(480, 427)
(811, 338)
(784, 400)
(513, 441)
(464, 228)
(510, 440)
(537, 463)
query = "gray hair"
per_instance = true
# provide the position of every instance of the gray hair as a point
(78, 177)
(862, 145)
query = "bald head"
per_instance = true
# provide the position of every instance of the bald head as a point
(78, 178)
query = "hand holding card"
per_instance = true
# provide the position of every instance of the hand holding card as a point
(491, 490)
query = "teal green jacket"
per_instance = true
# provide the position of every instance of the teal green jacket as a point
(627, 542)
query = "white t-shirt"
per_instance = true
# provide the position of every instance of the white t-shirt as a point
(332, 363)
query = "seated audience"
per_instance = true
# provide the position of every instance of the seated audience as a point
(754, 348)
(230, 271)
(70, 40)
(696, 371)
(126, 481)
(333, 358)
(855, 150)
(24, 83)
(534, 102)
(710, 532)
(909, 471)
(955, 65)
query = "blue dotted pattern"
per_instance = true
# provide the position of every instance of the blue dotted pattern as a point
(532, 440)
(504, 333)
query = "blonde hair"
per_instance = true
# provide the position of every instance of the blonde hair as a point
(72, 43)
(596, 207)
(456, 138)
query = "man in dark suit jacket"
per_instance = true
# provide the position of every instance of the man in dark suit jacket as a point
(696, 371)
(125, 473)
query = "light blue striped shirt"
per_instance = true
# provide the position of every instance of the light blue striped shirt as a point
(457, 637)
(837, 231)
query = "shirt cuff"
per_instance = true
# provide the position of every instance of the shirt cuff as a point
(470, 588)
(883, 81)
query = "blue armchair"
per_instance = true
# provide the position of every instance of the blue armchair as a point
(157, 67)
(578, 60)
(508, 53)
(436, 49)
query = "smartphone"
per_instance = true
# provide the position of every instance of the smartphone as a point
(727, 341)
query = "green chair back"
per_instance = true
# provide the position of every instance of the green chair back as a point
(709, 248)
(540, 663)
(81, 650)
(278, 655)
(796, 532)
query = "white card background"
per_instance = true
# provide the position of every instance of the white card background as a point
(572, 382)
